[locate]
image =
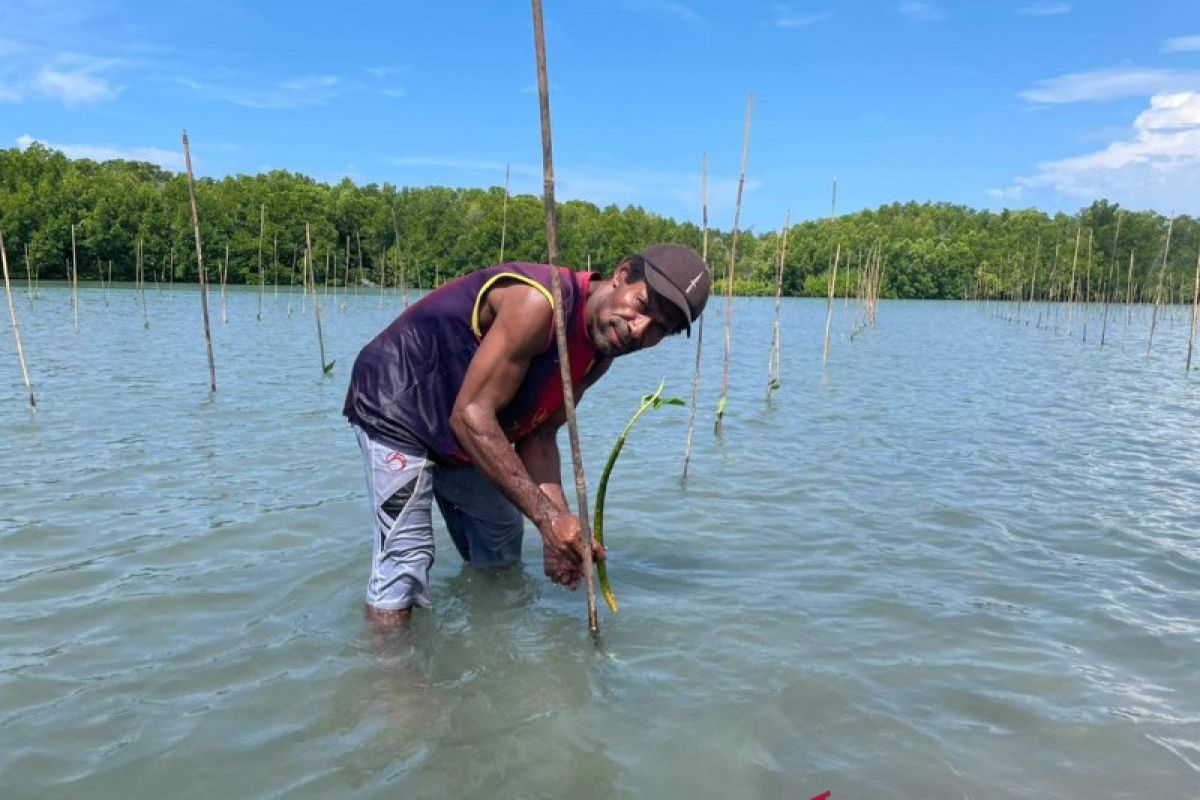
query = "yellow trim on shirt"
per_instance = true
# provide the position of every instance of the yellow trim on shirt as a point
(488, 285)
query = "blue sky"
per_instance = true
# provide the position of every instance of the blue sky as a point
(1005, 103)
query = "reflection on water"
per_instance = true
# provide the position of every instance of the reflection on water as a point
(960, 561)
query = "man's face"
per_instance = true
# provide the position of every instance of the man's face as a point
(633, 318)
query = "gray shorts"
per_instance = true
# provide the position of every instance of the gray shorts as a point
(484, 525)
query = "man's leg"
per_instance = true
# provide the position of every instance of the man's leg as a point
(400, 488)
(484, 525)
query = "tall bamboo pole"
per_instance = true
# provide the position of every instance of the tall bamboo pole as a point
(12, 312)
(262, 232)
(829, 304)
(311, 272)
(358, 246)
(730, 272)
(399, 264)
(1071, 291)
(224, 275)
(1112, 269)
(832, 272)
(1159, 291)
(212, 369)
(275, 267)
(774, 377)
(560, 329)
(28, 276)
(504, 216)
(346, 276)
(1087, 294)
(1195, 310)
(141, 271)
(74, 279)
(687, 449)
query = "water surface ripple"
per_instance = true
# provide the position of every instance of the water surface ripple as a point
(959, 561)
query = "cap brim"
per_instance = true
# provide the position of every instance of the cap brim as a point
(670, 292)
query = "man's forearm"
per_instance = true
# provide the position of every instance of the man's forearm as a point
(539, 453)
(481, 436)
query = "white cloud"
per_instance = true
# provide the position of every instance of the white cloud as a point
(1182, 44)
(1157, 165)
(300, 92)
(786, 17)
(167, 159)
(71, 78)
(921, 11)
(1111, 84)
(1044, 9)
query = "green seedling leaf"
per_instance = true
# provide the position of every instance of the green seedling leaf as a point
(649, 402)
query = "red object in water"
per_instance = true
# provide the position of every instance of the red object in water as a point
(823, 796)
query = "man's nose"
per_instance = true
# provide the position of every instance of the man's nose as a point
(639, 326)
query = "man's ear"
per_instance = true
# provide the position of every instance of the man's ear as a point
(621, 273)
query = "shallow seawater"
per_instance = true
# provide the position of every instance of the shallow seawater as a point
(962, 560)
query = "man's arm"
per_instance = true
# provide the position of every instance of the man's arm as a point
(539, 452)
(521, 319)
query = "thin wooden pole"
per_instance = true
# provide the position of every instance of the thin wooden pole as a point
(730, 272)
(141, 271)
(1195, 317)
(829, 304)
(832, 273)
(275, 267)
(212, 369)
(504, 216)
(773, 371)
(74, 279)
(1159, 291)
(1112, 269)
(1071, 295)
(564, 359)
(28, 277)
(311, 272)
(1087, 294)
(346, 276)
(687, 449)
(262, 232)
(403, 285)
(224, 275)
(12, 311)
(358, 245)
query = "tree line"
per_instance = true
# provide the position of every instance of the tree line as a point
(424, 235)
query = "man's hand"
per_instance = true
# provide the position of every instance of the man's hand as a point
(562, 549)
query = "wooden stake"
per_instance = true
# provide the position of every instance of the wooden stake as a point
(829, 304)
(729, 274)
(1112, 269)
(74, 280)
(141, 272)
(773, 370)
(311, 272)
(1195, 310)
(262, 232)
(687, 450)
(12, 311)
(203, 273)
(560, 329)
(1071, 295)
(504, 216)
(1159, 291)
(223, 276)
(1087, 294)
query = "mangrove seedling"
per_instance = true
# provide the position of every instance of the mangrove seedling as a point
(649, 402)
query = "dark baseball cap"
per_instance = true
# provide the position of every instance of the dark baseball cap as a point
(679, 275)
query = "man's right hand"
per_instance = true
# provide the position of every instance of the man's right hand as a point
(562, 549)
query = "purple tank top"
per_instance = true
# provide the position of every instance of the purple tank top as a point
(405, 380)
